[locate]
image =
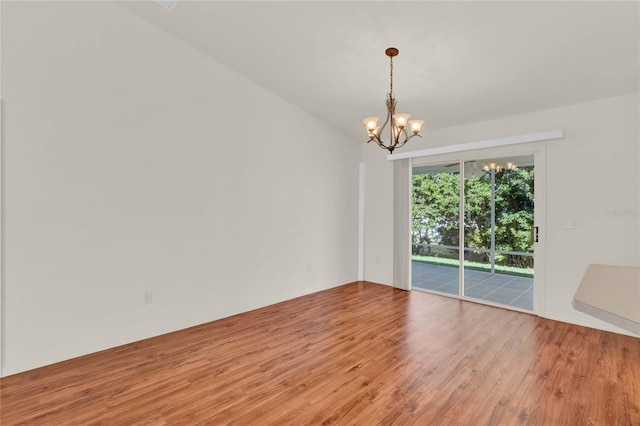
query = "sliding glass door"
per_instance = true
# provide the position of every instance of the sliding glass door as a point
(436, 228)
(495, 262)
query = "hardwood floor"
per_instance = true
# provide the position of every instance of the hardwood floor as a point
(360, 354)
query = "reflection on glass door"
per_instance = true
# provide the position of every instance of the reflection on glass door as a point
(497, 230)
(435, 229)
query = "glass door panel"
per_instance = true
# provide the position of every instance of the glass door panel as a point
(436, 228)
(498, 225)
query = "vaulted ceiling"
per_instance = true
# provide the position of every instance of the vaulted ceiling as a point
(459, 62)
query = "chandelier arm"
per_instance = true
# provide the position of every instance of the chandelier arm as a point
(377, 140)
(403, 142)
(381, 143)
(406, 135)
(373, 139)
(407, 140)
(385, 123)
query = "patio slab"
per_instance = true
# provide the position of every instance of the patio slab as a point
(504, 289)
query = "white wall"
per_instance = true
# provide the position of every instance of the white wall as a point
(593, 169)
(135, 163)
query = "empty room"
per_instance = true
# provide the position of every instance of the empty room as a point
(319, 212)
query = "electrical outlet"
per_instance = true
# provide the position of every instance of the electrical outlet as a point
(148, 297)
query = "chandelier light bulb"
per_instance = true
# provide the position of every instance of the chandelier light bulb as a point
(401, 119)
(416, 126)
(371, 123)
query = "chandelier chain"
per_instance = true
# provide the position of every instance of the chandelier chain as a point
(391, 77)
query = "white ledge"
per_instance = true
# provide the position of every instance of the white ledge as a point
(489, 143)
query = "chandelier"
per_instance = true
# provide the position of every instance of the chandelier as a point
(399, 121)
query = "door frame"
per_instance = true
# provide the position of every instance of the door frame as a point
(538, 151)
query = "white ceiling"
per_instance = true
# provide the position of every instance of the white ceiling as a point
(459, 62)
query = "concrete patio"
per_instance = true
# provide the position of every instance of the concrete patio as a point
(504, 289)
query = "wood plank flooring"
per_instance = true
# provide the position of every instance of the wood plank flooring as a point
(359, 354)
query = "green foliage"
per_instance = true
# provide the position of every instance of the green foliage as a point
(436, 210)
